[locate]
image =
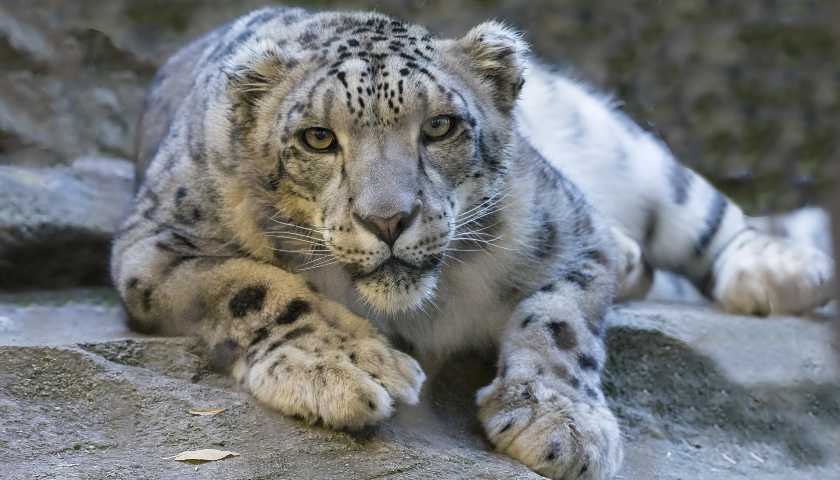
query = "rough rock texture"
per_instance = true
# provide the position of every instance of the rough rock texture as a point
(699, 395)
(835, 215)
(747, 92)
(56, 223)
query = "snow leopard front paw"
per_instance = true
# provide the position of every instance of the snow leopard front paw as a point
(634, 273)
(332, 372)
(760, 274)
(551, 433)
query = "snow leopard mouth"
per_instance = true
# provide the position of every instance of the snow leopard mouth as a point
(395, 267)
(396, 285)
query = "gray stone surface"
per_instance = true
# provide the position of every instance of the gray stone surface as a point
(56, 223)
(699, 395)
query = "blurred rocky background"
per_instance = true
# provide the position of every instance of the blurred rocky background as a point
(747, 92)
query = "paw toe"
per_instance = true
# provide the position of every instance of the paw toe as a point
(397, 372)
(558, 438)
(769, 275)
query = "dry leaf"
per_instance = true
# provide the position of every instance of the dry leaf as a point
(205, 455)
(206, 412)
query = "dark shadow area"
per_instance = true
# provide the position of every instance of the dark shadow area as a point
(652, 377)
(61, 259)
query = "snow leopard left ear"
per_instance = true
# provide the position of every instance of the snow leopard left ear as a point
(255, 70)
(499, 55)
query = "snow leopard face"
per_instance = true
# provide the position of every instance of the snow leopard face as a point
(378, 146)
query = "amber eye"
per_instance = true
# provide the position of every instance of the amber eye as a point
(436, 128)
(319, 139)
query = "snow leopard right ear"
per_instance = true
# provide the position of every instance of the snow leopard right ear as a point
(499, 56)
(254, 71)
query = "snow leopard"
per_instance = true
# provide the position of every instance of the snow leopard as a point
(336, 202)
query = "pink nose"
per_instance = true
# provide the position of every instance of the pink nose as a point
(388, 229)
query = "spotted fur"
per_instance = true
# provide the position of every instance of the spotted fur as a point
(516, 228)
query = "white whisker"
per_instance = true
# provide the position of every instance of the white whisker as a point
(302, 252)
(479, 215)
(319, 256)
(451, 257)
(320, 265)
(484, 206)
(300, 227)
(294, 234)
(292, 239)
(492, 200)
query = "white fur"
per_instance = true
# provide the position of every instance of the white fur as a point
(536, 287)
(624, 173)
(760, 274)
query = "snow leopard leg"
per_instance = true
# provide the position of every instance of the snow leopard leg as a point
(693, 229)
(546, 407)
(635, 273)
(684, 225)
(292, 349)
(681, 222)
